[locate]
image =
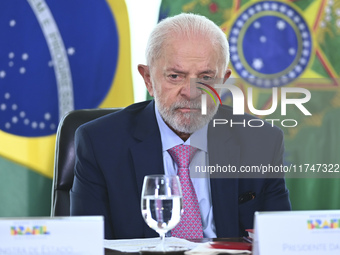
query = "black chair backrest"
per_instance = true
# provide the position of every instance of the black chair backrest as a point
(65, 156)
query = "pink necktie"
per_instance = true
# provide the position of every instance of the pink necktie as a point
(190, 226)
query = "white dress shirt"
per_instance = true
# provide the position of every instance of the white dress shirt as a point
(202, 185)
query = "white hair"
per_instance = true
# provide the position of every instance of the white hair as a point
(186, 24)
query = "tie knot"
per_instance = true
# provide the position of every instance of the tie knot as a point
(182, 155)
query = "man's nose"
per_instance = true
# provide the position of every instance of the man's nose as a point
(189, 89)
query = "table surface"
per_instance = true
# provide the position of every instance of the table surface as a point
(203, 240)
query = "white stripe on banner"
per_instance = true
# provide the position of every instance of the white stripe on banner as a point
(58, 53)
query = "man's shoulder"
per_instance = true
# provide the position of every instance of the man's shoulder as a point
(246, 123)
(117, 120)
(228, 111)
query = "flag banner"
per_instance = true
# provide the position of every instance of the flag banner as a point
(23, 192)
(284, 59)
(57, 56)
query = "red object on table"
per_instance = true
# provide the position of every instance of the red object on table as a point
(231, 245)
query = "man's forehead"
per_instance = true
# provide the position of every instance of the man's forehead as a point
(180, 69)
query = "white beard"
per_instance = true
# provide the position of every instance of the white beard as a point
(184, 122)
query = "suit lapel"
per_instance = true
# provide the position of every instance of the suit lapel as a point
(224, 150)
(147, 154)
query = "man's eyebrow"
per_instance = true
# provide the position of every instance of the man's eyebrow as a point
(208, 72)
(174, 70)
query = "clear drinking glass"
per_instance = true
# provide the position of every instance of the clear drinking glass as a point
(161, 204)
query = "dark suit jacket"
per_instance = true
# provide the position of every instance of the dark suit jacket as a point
(115, 152)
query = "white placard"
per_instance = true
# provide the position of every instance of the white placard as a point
(297, 232)
(52, 236)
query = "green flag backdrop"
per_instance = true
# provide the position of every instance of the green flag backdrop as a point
(287, 44)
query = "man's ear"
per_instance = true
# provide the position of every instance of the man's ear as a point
(226, 75)
(145, 73)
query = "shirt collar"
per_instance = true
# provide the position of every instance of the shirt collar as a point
(170, 139)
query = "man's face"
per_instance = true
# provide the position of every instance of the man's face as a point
(183, 60)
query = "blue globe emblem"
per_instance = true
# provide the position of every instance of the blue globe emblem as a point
(270, 44)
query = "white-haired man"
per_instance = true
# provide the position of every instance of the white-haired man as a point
(115, 152)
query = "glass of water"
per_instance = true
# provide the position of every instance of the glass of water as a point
(161, 204)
